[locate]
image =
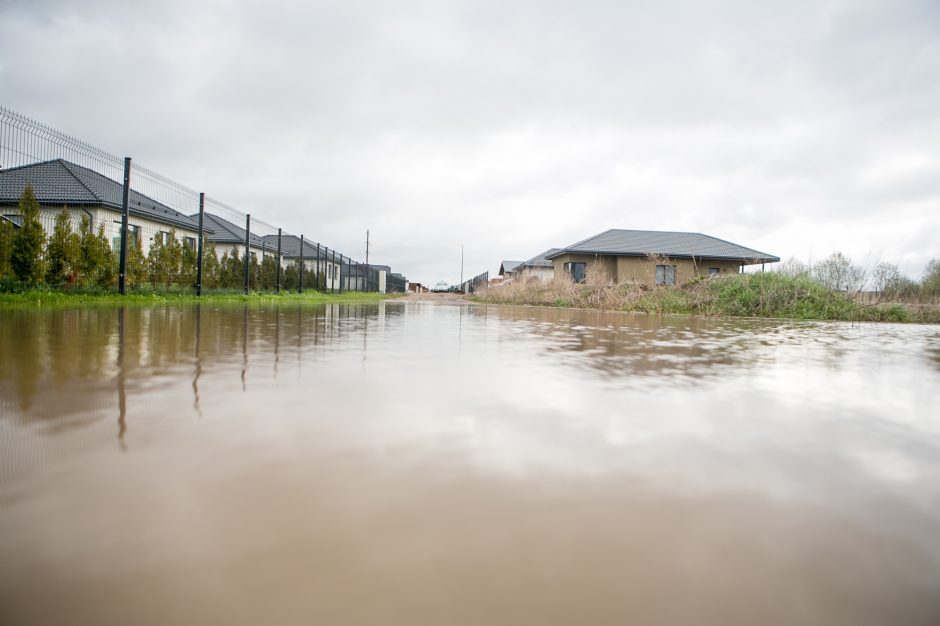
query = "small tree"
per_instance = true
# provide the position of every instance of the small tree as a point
(187, 272)
(930, 283)
(6, 248)
(136, 263)
(290, 280)
(210, 267)
(97, 260)
(26, 251)
(232, 275)
(838, 273)
(886, 278)
(63, 252)
(165, 260)
(268, 279)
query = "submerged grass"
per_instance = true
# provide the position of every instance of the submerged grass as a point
(52, 298)
(765, 294)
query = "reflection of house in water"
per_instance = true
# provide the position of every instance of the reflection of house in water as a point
(661, 350)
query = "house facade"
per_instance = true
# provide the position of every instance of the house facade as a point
(84, 192)
(538, 267)
(506, 269)
(653, 257)
(317, 258)
(228, 238)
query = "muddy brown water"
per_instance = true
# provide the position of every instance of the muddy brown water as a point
(410, 463)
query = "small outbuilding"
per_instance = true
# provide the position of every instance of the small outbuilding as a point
(506, 268)
(538, 267)
(653, 257)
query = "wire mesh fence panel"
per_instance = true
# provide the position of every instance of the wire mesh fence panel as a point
(175, 238)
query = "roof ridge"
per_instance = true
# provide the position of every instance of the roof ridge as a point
(65, 164)
(578, 243)
(21, 167)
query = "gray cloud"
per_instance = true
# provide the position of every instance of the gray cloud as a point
(799, 129)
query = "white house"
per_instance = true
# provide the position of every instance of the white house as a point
(59, 183)
(317, 258)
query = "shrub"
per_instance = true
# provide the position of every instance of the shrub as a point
(63, 252)
(26, 258)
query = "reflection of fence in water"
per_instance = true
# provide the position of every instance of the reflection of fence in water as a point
(163, 235)
(67, 374)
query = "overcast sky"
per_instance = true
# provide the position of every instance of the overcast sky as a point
(797, 128)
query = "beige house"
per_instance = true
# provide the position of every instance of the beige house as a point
(653, 257)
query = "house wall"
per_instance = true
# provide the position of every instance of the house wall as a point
(537, 273)
(314, 266)
(642, 270)
(607, 263)
(239, 250)
(111, 219)
(639, 269)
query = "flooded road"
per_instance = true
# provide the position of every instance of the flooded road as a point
(411, 463)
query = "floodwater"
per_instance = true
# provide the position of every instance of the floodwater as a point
(411, 463)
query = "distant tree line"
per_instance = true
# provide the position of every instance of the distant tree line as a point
(84, 259)
(839, 273)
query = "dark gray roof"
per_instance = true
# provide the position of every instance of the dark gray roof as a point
(508, 266)
(220, 230)
(540, 260)
(381, 268)
(671, 244)
(290, 248)
(59, 182)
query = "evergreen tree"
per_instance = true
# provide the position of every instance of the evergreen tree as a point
(6, 248)
(63, 251)
(232, 271)
(136, 263)
(187, 274)
(268, 281)
(165, 260)
(254, 272)
(210, 267)
(96, 262)
(290, 279)
(26, 251)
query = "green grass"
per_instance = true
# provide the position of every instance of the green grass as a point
(48, 297)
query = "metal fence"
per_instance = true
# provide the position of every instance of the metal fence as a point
(132, 228)
(480, 280)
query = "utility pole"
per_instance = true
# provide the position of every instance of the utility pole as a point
(461, 265)
(367, 247)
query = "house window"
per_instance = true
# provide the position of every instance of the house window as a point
(189, 242)
(714, 270)
(133, 232)
(665, 274)
(577, 271)
(162, 237)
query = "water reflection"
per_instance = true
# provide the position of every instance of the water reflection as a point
(464, 463)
